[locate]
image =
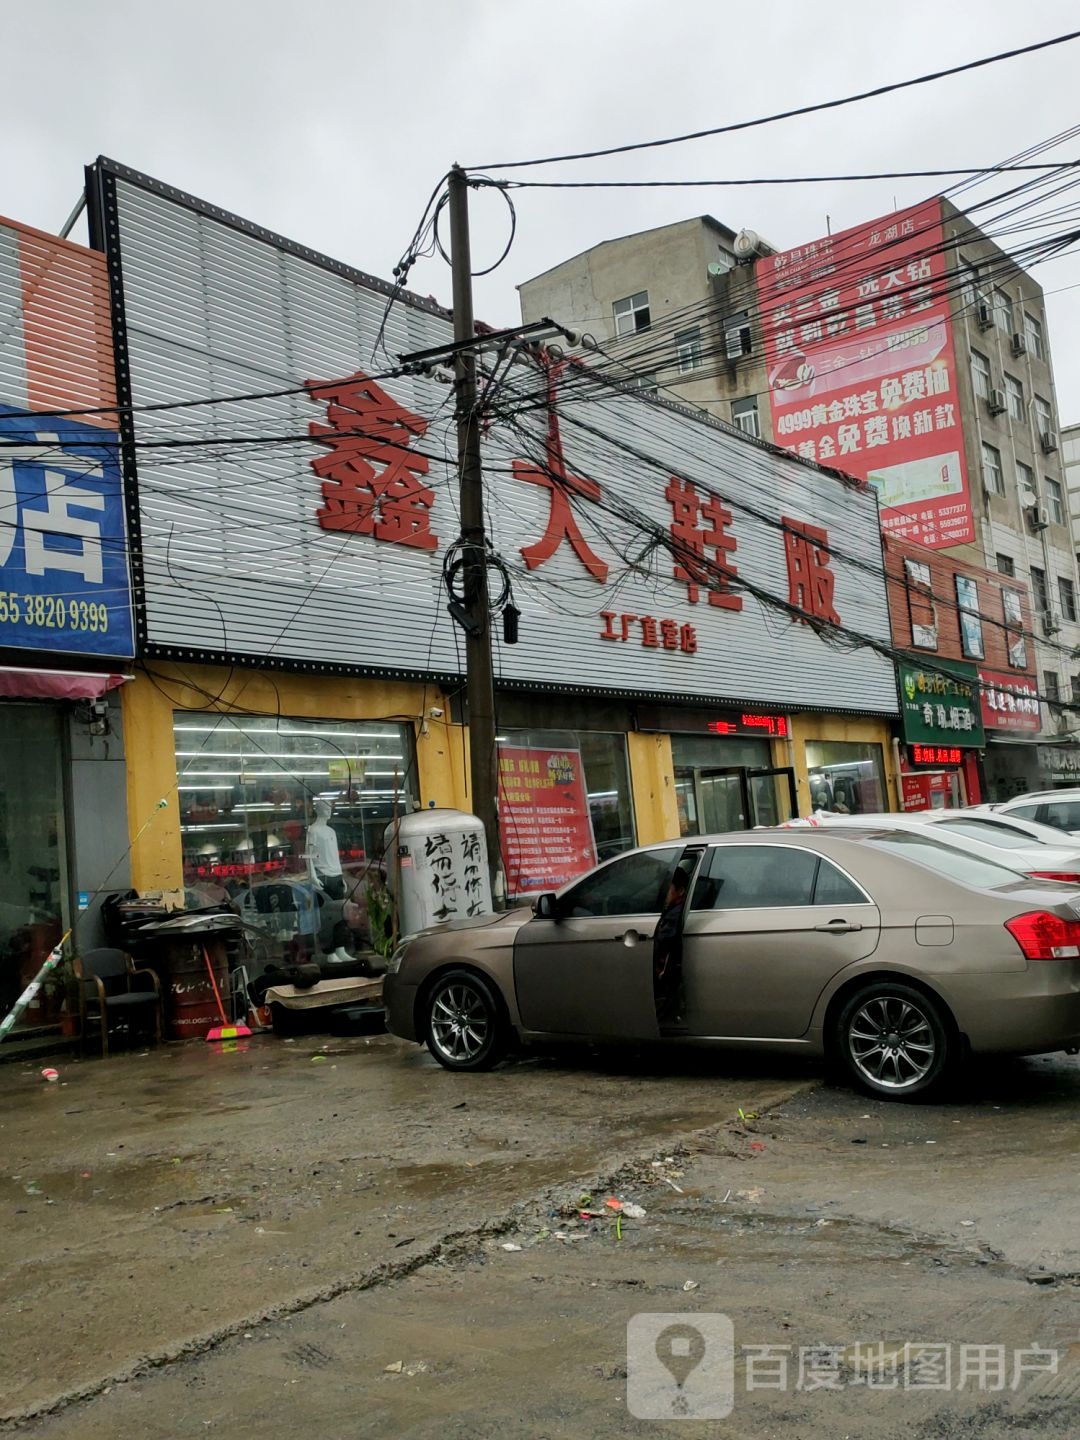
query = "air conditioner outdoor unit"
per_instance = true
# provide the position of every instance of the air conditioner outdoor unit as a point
(1050, 623)
(1048, 439)
(996, 402)
(985, 316)
(1019, 344)
(1038, 516)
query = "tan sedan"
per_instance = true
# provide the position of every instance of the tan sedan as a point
(886, 952)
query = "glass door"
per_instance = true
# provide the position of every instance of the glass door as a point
(723, 801)
(33, 854)
(772, 796)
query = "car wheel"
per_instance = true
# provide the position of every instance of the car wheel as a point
(464, 1020)
(895, 1042)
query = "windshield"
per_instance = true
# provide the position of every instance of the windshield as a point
(946, 860)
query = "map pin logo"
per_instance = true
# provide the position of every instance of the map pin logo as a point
(680, 1349)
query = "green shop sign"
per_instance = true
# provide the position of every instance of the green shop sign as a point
(939, 704)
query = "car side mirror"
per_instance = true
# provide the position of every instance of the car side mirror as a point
(546, 907)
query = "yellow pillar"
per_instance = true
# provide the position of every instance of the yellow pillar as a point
(156, 862)
(652, 778)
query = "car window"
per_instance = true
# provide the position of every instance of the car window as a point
(745, 877)
(992, 834)
(939, 855)
(1063, 814)
(632, 885)
(1026, 812)
(833, 887)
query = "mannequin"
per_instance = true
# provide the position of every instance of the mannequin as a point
(324, 868)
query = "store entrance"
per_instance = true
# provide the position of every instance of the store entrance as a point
(713, 800)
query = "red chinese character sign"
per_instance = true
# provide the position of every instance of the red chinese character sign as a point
(1009, 702)
(862, 368)
(544, 822)
(554, 477)
(371, 478)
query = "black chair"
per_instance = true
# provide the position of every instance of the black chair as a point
(112, 991)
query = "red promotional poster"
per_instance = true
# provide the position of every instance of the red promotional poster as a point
(862, 371)
(544, 823)
(1009, 702)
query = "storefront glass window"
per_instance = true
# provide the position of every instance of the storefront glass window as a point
(250, 789)
(846, 777)
(564, 805)
(33, 878)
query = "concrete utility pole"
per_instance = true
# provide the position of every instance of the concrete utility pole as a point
(480, 686)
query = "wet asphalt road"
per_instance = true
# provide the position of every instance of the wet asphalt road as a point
(257, 1235)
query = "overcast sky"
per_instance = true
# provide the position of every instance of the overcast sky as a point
(332, 124)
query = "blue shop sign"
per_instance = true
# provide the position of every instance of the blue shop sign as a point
(64, 579)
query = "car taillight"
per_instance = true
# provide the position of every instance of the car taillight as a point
(1044, 936)
(1070, 877)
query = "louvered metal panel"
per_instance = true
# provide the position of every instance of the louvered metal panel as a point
(237, 565)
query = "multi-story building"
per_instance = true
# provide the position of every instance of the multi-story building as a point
(1070, 456)
(912, 352)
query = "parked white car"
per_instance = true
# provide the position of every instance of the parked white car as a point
(976, 834)
(1057, 808)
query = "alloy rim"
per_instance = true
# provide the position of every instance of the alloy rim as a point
(459, 1021)
(891, 1042)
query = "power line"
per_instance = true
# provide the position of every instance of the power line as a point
(784, 114)
(776, 179)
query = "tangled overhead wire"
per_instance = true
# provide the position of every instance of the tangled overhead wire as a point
(456, 563)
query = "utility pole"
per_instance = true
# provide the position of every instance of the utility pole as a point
(479, 681)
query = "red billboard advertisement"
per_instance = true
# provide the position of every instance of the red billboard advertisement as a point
(1009, 702)
(862, 371)
(544, 822)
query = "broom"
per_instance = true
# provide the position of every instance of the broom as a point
(224, 1031)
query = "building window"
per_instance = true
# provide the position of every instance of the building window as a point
(1012, 610)
(1005, 564)
(1051, 686)
(922, 611)
(1053, 500)
(1014, 393)
(1044, 416)
(1076, 687)
(688, 349)
(1067, 595)
(846, 777)
(980, 375)
(1039, 593)
(971, 631)
(1033, 334)
(969, 285)
(737, 335)
(993, 478)
(645, 384)
(744, 414)
(248, 788)
(1025, 480)
(1003, 312)
(632, 314)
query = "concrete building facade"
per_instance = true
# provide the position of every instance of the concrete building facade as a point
(680, 308)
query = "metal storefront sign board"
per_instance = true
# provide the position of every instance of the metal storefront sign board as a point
(318, 539)
(64, 586)
(939, 704)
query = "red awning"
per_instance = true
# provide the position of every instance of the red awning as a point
(18, 684)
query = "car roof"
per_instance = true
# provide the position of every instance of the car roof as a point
(1073, 793)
